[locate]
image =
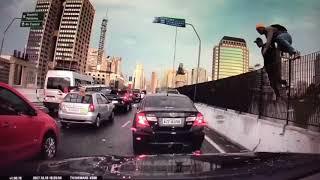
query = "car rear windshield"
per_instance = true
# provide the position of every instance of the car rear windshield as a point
(168, 102)
(136, 91)
(76, 98)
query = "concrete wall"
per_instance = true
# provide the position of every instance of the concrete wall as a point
(258, 134)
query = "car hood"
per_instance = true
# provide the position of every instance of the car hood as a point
(193, 166)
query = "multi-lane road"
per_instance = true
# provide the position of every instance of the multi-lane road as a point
(116, 139)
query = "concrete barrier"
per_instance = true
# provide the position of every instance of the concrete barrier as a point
(258, 134)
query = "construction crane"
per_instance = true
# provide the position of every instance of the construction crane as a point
(102, 40)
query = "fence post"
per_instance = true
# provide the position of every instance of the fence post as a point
(289, 92)
(261, 93)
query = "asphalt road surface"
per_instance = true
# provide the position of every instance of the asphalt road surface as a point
(116, 139)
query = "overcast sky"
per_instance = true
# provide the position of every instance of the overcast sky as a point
(132, 35)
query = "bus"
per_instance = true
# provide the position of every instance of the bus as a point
(58, 83)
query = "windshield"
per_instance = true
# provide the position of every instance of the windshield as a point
(77, 98)
(168, 102)
(58, 83)
(145, 78)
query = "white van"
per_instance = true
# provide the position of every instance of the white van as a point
(58, 83)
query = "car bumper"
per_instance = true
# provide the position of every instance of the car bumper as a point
(167, 138)
(75, 118)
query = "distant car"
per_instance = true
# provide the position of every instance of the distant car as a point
(136, 95)
(89, 108)
(167, 120)
(121, 100)
(25, 131)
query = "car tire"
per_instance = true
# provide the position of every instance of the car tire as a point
(49, 147)
(111, 118)
(97, 123)
(63, 125)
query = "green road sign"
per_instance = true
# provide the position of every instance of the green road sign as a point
(31, 24)
(32, 16)
(32, 19)
(170, 21)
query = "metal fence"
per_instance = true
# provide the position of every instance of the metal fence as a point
(251, 92)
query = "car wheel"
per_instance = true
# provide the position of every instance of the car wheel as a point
(49, 147)
(63, 125)
(98, 122)
(111, 118)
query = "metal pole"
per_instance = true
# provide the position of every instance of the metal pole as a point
(289, 92)
(174, 56)
(199, 53)
(4, 33)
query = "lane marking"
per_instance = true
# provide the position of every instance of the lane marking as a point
(125, 124)
(215, 145)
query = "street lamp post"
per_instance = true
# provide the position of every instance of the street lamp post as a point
(199, 54)
(4, 33)
(174, 56)
(181, 23)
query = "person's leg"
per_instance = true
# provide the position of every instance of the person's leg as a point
(284, 41)
(272, 78)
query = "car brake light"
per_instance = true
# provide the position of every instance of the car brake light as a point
(91, 108)
(141, 120)
(199, 121)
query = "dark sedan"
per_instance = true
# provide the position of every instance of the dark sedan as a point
(120, 99)
(168, 121)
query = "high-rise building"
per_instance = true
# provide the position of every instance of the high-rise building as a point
(170, 78)
(154, 82)
(202, 77)
(230, 58)
(139, 77)
(63, 40)
(109, 67)
(42, 41)
(74, 35)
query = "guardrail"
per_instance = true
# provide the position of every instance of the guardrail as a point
(251, 92)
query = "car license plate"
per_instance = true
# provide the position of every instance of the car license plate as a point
(171, 121)
(74, 110)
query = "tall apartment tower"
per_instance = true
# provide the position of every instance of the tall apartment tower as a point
(74, 36)
(42, 41)
(230, 58)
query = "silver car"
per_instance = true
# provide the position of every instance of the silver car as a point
(88, 108)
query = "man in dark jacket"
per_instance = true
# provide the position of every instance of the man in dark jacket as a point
(271, 65)
(279, 34)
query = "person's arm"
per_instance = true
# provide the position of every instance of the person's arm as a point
(269, 35)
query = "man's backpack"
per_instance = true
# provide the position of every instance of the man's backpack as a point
(279, 27)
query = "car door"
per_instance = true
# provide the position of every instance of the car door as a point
(102, 106)
(109, 105)
(18, 129)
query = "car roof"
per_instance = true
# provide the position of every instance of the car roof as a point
(166, 94)
(86, 93)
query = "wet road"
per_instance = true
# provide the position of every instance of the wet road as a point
(116, 139)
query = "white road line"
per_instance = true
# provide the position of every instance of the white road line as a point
(215, 145)
(125, 124)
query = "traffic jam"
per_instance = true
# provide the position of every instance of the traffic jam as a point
(164, 120)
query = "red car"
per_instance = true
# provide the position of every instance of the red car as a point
(24, 130)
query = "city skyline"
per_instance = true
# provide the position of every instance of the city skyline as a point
(133, 36)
